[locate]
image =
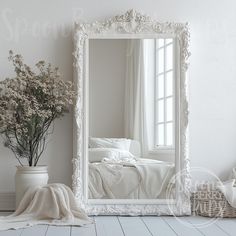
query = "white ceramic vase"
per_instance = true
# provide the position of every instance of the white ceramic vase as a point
(27, 176)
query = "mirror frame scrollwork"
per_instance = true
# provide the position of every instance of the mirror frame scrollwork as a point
(132, 24)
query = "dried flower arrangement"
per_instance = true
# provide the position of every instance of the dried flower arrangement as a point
(29, 103)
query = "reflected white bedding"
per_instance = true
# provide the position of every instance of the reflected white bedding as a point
(143, 179)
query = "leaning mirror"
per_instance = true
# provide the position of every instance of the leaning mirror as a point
(131, 116)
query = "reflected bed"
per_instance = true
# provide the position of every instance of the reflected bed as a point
(116, 170)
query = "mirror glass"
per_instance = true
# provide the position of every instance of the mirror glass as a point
(132, 117)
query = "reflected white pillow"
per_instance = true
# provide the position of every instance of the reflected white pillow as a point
(119, 143)
(99, 154)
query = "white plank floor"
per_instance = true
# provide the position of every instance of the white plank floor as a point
(136, 226)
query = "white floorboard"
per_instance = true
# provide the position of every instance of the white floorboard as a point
(180, 228)
(227, 225)
(135, 226)
(87, 230)
(58, 231)
(11, 232)
(158, 226)
(37, 230)
(205, 227)
(108, 226)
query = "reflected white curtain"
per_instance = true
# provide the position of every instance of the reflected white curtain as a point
(137, 95)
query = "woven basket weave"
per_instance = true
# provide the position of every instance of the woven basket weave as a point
(211, 203)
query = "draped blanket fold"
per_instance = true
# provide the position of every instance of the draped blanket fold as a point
(229, 190)
(144, 179)
(52, 204)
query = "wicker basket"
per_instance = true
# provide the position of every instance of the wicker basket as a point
(211, 203)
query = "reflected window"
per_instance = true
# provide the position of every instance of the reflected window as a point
(164, 94)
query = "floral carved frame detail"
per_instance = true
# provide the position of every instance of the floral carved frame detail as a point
(132, 25)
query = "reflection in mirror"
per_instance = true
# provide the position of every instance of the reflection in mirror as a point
(131, 146)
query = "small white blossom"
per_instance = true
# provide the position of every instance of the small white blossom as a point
(29, 103)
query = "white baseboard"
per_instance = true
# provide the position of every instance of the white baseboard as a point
(7, 201)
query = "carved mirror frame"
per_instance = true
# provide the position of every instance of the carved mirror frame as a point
(129, 25)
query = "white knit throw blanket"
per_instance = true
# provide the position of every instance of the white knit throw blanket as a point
(53, 204)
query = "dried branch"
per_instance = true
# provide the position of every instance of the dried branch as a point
(29, 103)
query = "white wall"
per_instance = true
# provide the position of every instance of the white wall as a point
(42, 30)
(107, 61)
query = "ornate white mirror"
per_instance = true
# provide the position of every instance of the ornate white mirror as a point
(131, 116)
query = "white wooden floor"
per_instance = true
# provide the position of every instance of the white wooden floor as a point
(135, 226)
